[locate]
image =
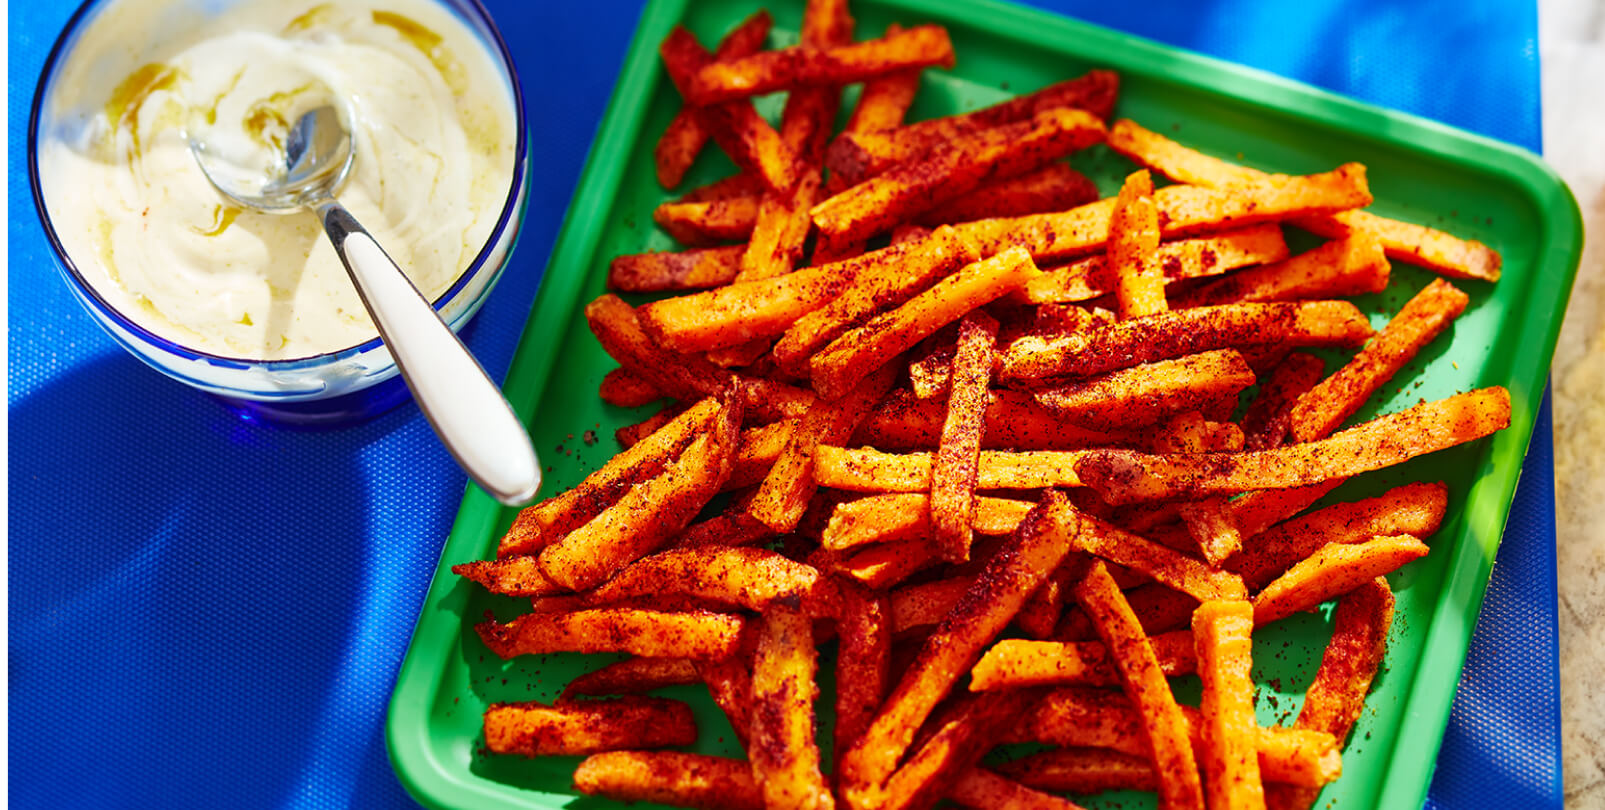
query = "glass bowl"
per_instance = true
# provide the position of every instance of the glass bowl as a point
(330, 388)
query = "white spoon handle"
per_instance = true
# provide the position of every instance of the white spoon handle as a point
(467, 411)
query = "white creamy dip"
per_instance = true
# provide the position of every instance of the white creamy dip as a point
(434, 129)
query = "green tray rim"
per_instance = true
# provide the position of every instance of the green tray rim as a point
(1443, 650)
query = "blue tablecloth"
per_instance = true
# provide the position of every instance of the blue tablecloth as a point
(208, 613)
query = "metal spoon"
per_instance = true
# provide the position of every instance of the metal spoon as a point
(467, 411)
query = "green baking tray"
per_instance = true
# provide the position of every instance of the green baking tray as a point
(1419, 171)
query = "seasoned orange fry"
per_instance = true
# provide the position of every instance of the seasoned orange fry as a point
(518, 575)
(670, 777)
(632, 434)
(785, 759)
(1336, 697)
(954, 469)
(866, 470)
(708, 222)
(1183, 211)
(625, 390)
(861, 154)
(647, 515)
(751, 578)
(874, 289)
(732, 315)
(1321, 409)
(907, 516)
(638, 632)
(1265, 422)
(784, 495)
(1163, 724)
(1053, 187)
(885, 99)
(858, 352)
(1230, 739)
(1123, 476)
(951, 169)
(1013, 421)
(1337, 269)
(1416, 244)
(925, 604)
(1145, 394)
(961, 738)
(664, 271)
(1183, 332)
(544, 523)
(729, 682)
(1013, 663)
(778, 233)
(760, 447)
(987, 790)
(810, 113)
(745, 136)
(1088, 278)
(1335, 569)
(619, 329)
(1133, 240)
(632, 676)
(1025, 560)
(788, 68)
(1083, 771)
(577, 728)
(863, 661)
(677, 149)
(1166, 565)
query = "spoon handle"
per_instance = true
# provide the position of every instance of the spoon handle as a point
(466, 409)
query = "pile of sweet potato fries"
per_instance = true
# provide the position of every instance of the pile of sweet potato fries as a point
(990, 437)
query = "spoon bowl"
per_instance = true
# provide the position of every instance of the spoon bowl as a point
(462, 404)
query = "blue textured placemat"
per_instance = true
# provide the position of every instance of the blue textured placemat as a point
(204, 613)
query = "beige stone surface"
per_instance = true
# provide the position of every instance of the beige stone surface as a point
(1572, 52)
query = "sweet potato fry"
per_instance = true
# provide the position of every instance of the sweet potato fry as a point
(925, 604)
(1335, 569)
(1013, 663)
(647, 515)
(1133, 240)
(952, 169)
(777, 237)
(760, 447)
(1336, 697)
(866, 470)
(670, 777)
(1148, 393)
(1425, 316)
(517, 575)
(744, 135)
(1024, 561)
(639, 632)
(740, 184)
(810, 113)
(1183, 211)
(667, 271)
(1183, 332)
(907, 516)
(788, 68)
(855, 354)
(790, 484)
(632, 434)
(632, 676)
(732, 315)
(677, 149)
(961, 738)
(619, 329)
(1053, 187)
(1415, 244)
(863, 661)
(625, 390)
(1083, 771)
(1230, 739)
(876, 288)
(577, 728)
(708, 222)
(548, 521)
(884, 100)
(862, 153)
(750, 578)
(1123, 476)
(1266, 420)
(954, 469)
(1337, 269)
(732, 527)
(988, 790)
(883, 565)
(1165, 565)
(1145, 683)
(1091, 277)
(785, 759)
(1013, 421)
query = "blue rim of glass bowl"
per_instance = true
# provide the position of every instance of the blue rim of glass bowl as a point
(515, 189)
